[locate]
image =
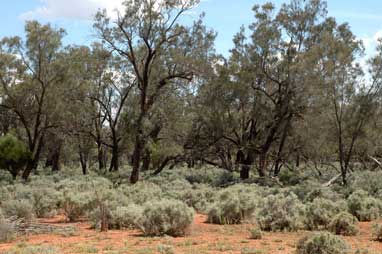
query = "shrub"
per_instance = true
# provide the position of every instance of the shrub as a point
(255, 233)
(21, 209)
(377, 232)
(322, 243)
(33, 249)
(369, 181)
(364, 207)
(344, 224)
(75, 205)
(119, 217)
(321, 211)
(165, 249)
(232, 206)
(13, 154)
(165, 217)
(200, 197)
(141, 192)
(280, 212)
(45, 201)
(7, 231)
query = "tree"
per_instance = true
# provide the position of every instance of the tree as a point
(29, 73)
(158, 51)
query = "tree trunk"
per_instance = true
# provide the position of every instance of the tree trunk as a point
(136, 159)
(146, 160)
(32, 163)
(114, 163)
(100, 155)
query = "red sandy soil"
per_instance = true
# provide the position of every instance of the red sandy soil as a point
(202, 238)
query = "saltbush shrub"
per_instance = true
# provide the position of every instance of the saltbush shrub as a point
(320, 212)
(233, 206)
(141, 192)
(7, 231)
(199, 197)
(344, 223)
(120, 217)
(22, 209)
(281, 213)
(363, 206)
(165, 217)
(377, 232)
(77, 204)
(255, 233)
(322, 243)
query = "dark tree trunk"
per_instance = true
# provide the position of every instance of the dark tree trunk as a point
(100, 156)
(114, 163)
(84, 162)
(33, 161)
(163, 165)
(146, 160)
(136, 159)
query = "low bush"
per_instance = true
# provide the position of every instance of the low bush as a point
(119, 217)
(34, 249)
(77, 204)
(322, 243)
(281, 213)
(320, 212)
(363, 206)
(233, 206)
(22, 209)
(7, 231)
(199, 197)
(165, 217)
(255, 233)
(141, 192)
(344, 223)
(377, 232)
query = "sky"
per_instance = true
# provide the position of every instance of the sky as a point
(224, 16)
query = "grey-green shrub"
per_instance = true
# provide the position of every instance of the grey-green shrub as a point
(344, 223)
(199, 197)
(141, 192)
(320, 212)
(377, 232)
(281, 213)
(22, 209)
(322, 243)
(7, 231)
(255, 233)
(119, 217)
(77, 204)
(34, 249)
(233, 206)
(165, 217)
(363, 206)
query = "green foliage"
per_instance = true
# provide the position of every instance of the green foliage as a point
(377, 232)
(13, 154)
(233, 206)
(344, 224)
(322, 243)
(21, 208)
(369, 181)
(321, 211)
(281, 213)
(199, 197)
(165, 217)
(363, 206)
